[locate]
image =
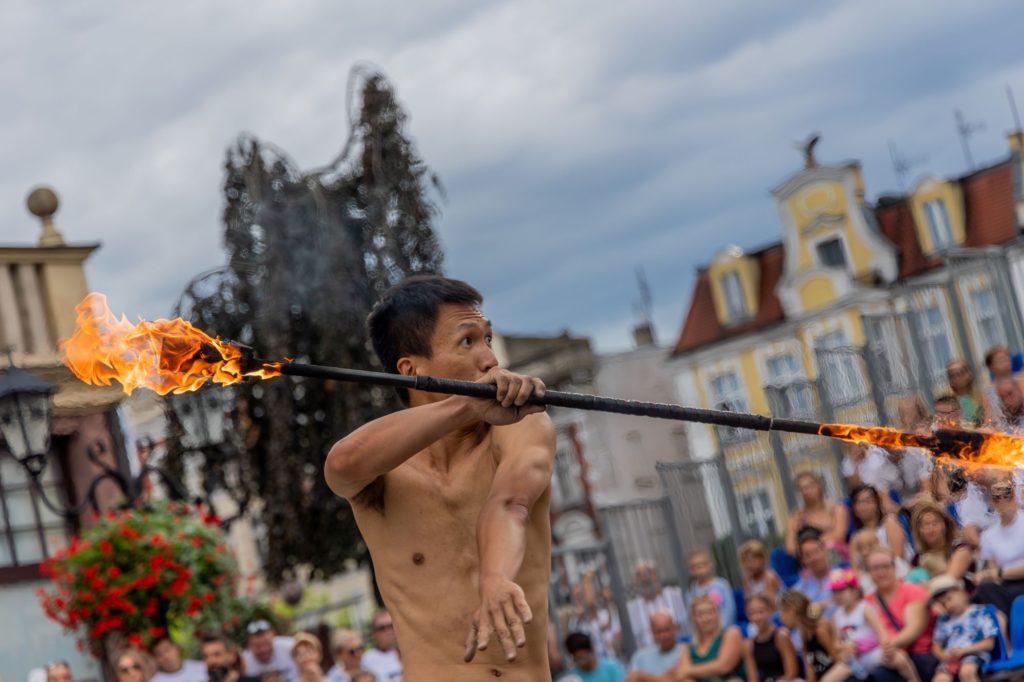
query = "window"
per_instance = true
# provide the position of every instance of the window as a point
(831, 253)
(29, 531)
(787, 377)
(735, 306)
(938, 350)
(985, 311)
(839, 369)
(727, 394)
(938, 224)
(756, 514)
(566, 490)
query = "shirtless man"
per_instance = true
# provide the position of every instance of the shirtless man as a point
(452, 494)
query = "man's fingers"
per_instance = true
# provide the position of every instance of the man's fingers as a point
(501, 380)
(483, 635)
(501, 631)
(515, 384)
(471, 642)
(522, 608)
(539, 388)
(515, 624)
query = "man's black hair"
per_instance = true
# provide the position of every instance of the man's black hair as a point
(402, 323)
(578, 641)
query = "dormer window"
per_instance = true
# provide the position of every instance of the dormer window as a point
(831, 253)
(735, 304)
(938, 224)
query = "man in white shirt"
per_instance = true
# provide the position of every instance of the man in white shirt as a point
(171, 667)
(383, 659)
(267, 653)
(651, 598)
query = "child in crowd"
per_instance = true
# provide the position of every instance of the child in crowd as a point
(704, 582)
(861, 544)
(802, 616)
(860, 632)
(929, 565)
(758, 578)
(964, 636)
(769, 654)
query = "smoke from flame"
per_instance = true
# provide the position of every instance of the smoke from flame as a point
(167, 356)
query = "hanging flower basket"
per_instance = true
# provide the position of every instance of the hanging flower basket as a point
(134, 574)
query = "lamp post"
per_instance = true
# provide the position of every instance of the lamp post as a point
(25, 417)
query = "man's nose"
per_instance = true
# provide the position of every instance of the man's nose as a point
(488, 360)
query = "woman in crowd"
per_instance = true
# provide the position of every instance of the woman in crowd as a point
(967, 392)
(868, 514)
(758, 577)
(1002, 550)
(704, 583)
(936, 533)
(862, 543)
(716, 652)
(817, 512)
(131, 665)
(307, 652)
(347, 652)
(769, 655)
(819, 645)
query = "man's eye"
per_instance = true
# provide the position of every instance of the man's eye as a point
(467, 341)
(489, 339)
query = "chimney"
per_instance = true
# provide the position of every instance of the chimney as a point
(643, 335)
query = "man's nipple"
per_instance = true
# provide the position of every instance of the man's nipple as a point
(418, 558)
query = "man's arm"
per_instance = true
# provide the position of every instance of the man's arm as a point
(527, 451)
(380, 446)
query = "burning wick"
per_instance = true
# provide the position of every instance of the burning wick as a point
(166, 356)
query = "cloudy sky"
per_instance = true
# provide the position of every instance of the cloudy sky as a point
(576, 140)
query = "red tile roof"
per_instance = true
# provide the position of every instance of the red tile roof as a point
(989, 210)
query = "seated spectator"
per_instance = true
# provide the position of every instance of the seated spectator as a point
(588, 666)
(861, 545)
(769, 654)
(964, 635)
(307, 652)
(131, 665)
(597, 617)
(818, 643)
(267, 653)
(664, 655)
(1010, 416)
(383, 659)
(223, 664)
(716, 652)
(967, 393)
(1000, 366)
(865, 464)
(650, 598)
(830, 518)
(704, 583)
(347, 651)
(935, 532)
(908, 622)
(868, 514)
(860, 632)
(58, 671)
(914, 465)
(758, 577)
(1002, 550)
(171, 667)
(970, 503)
(947, 412)
(814, 575)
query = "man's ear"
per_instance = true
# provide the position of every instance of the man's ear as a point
(406, 366)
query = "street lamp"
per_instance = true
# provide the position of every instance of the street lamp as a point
(25, 417)
(202, 415)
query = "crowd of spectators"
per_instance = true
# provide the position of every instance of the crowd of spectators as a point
(911, 577)
(266, 657)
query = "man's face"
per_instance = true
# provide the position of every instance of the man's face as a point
(167, 656)
(664, 630)
(384, 632)
(814, 557)
(947, 414)
(460, 345)
(1010, 396)
(262, 646)
(585, 660)
(216, 655)
(58, 673)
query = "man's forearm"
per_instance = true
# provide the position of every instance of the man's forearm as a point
(383, 444)
(501, 538)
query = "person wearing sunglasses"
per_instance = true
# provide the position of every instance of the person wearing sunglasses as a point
(382, 659)
(131, 665)
(347, 651)
(1002, 550)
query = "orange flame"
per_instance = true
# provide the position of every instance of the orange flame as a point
(966, 448)
(167, 356)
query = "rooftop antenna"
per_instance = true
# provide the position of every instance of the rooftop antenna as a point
(965, 130)
(901, 165)
(1013, 109)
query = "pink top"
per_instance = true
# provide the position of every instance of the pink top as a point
(906, 594)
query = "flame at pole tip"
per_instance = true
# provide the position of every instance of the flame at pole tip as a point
(166, 356)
